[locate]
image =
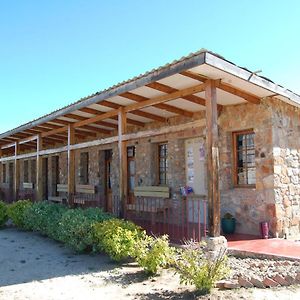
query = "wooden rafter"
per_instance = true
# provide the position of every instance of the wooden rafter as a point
(195, 76)
(167, 107)
(97, 112)
(47, 126)
(116, 106)
(137, 112)
(80, 118)
(83, 130)
(225, 87)
(84, 124)
(168, 89)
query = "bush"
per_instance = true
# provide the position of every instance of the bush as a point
(3, 213)
(117, 238)
(154, 253)
(43, 217)
(16, 212)
(194, 267)
(76, 227)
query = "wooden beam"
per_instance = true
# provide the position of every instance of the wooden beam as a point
(225, 87)
(195, 76)
(97, 112)
(240, 93)
(83, 131)
(71, 163)
(122, 145)
(117, 106)
(131, 121)
(168, 89)
(16, 172)
(91, 128)
(101, 117)
(137, 112)
(212, 159)
(39, 169)
(163, 106)
(114, 139)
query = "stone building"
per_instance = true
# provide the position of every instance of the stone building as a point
(202, 122)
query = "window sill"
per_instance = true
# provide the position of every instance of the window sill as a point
(245, 186)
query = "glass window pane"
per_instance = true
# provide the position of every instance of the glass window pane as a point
(132, 167)
(131, 183)
(245, 158)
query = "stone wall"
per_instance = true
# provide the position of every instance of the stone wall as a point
(250, 206)
(276, 196)
(286, 140)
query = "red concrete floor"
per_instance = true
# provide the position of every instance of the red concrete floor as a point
(265, 247)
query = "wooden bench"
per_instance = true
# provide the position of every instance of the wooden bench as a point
(81, 189)
(28, 185)
(61, 188)
(153, 193)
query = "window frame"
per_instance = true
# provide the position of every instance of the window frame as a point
(235, 158)
(159, 157)
(84, 169)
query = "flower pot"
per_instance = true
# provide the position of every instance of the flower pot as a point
(228, 225)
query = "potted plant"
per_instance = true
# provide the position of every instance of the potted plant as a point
(228, 223)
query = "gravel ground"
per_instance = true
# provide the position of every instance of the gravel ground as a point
(34, 267)
(261, 268)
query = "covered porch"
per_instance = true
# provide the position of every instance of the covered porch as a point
(126, 149)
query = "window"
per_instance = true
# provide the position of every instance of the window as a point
(26, 171)
(244, 158)
(131, 168)
(108, 171)
(162, 163)
(4, 173)
(33, 171)
(84, 168)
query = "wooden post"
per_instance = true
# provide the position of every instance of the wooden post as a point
(71, 164)
(122, 126)
(212, 159)
(16, 172)
(39, 170)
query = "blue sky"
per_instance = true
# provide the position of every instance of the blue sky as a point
(54, 52)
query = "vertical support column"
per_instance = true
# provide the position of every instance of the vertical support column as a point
(39, 169)
(16, 172)
(122, 127)
(71, 165)
(1, 166)
(212, 159)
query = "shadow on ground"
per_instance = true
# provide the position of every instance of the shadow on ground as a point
(186, 295)
(126, 279)
(28, 256)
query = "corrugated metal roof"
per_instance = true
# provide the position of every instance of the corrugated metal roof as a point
(120, 84)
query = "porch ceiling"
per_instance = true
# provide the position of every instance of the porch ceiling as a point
(145, 98)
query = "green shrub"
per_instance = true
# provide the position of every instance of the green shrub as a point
(16, 212)
(153, 253)
(117, 238)
(42, 217)
(3, 213)
(53, 216)
(195, 267)
(76, 227)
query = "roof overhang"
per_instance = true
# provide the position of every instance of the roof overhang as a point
(204, 63)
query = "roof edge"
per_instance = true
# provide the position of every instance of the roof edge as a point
(193, 60)
(247, 75)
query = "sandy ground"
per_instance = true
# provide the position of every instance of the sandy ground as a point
(34, 267)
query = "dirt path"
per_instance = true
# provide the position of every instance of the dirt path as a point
(34, 267)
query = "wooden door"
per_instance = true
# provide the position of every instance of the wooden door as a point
(11, 176)
(45, 178)
(131, 173)
(108, 173)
